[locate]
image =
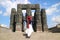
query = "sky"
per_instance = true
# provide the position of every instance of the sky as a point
(52, 8)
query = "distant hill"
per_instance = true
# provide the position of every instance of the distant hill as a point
(4, 29)
(55, 29)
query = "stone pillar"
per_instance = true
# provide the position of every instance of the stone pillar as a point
(35, 22)
(13, 12)
(38, 16)
(44, 20)
(19, 18)
(28, 11)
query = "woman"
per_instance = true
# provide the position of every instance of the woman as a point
(29, 29)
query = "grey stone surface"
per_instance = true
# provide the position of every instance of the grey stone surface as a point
(44, 20)
(13, 12)
(19, 18)
(39, 26)
(28, 11)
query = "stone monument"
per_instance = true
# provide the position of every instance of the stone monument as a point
(39, 19)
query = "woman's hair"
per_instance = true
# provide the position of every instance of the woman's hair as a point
(29, 21)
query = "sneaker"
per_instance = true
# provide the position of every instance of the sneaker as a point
(27, 36)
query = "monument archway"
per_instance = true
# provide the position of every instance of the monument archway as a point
(39, 18)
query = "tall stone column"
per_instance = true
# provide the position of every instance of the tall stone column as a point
(38, 16)
(13, 12)
(44, 20)
(35, 22)
(19, 18)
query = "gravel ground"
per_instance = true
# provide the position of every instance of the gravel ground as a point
(18, 35)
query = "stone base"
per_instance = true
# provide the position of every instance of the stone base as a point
(45, 28)
(18, 27)
(39, 28)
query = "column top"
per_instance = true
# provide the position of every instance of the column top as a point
(13, 10)
(31, 6)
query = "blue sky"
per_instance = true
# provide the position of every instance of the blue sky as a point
(52, 10)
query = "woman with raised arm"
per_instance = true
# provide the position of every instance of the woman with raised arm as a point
(29, 29)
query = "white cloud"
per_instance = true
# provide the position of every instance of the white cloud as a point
(24, 12)
(56, 19)
(32, 13)
(56, 5)
(8, 4)
(2, 0)
(53, 8)
(0, 11)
